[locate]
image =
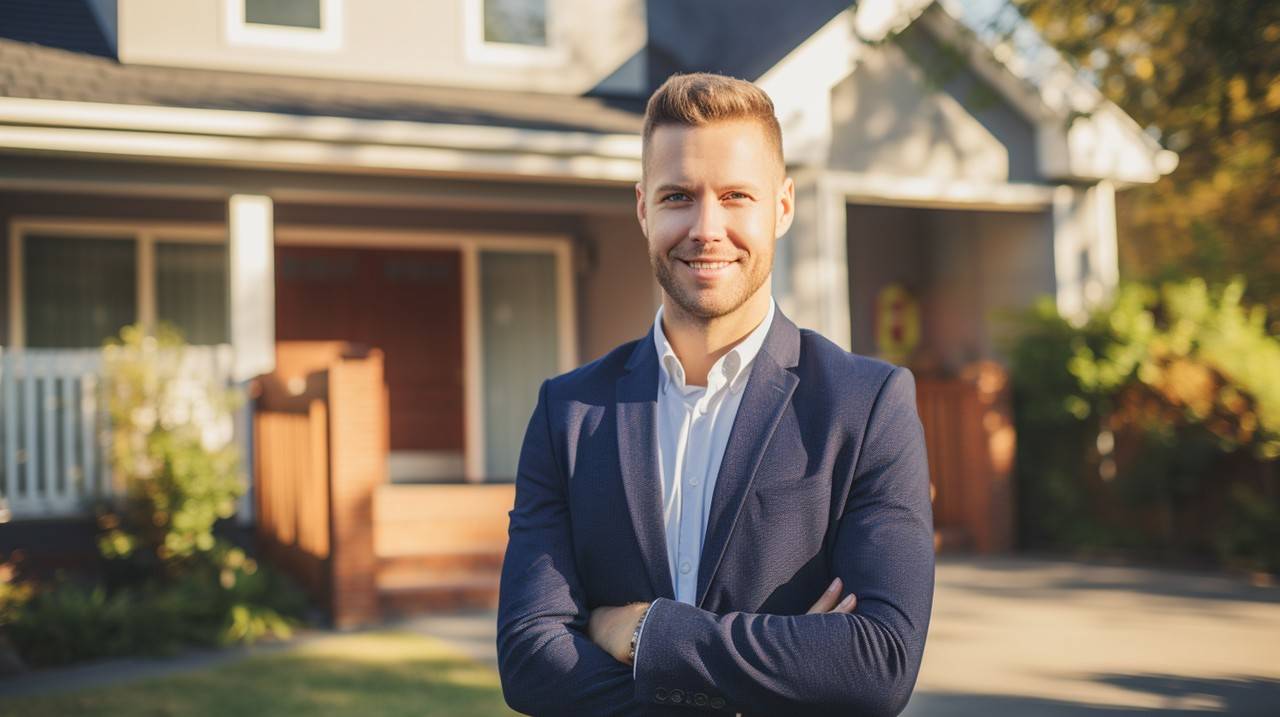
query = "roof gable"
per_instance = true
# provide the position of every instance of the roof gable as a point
(1079, 135)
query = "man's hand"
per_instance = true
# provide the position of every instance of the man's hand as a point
(827, 602)
(611, 628)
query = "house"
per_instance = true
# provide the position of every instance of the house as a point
(397, 217)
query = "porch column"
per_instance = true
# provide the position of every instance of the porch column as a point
(811, 270)
(1085, 255)
(252, 280)
(252, 314)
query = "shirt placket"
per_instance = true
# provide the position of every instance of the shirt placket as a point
(690, 500)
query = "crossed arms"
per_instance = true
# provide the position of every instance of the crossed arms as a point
(860, 663)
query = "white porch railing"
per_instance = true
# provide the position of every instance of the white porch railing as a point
(55, 431)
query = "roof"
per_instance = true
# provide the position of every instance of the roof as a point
(1080, 135)
(49, 51)
(68, 24)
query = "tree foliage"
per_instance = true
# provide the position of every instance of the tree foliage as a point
(1204, 78)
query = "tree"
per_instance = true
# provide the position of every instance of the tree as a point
(1204, 78)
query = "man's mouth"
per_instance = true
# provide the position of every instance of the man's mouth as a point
(707, 265)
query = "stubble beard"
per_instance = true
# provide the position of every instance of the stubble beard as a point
(708, 306)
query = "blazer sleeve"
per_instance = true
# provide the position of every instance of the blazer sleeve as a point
(546, 662)
(861, 663)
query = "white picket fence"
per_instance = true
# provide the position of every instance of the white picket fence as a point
(55, 430)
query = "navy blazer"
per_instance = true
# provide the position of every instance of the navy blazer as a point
(824, 475)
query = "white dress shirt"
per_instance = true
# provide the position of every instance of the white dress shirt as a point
(693, 428)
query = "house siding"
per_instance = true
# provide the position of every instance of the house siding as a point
(395, 41)
(909, 109)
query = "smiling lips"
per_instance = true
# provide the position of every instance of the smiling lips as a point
(708, 269)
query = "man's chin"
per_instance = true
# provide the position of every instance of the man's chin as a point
(707, 308)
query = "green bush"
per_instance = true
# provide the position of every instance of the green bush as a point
(174, 581)
(70, 621)
(1152, 426)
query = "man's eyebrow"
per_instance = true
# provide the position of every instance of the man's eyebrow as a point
(671, 188)
(739, 186)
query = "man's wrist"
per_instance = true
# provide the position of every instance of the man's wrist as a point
(635, 634)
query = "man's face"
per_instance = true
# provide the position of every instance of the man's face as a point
(712, 205)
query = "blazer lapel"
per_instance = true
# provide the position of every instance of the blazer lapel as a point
(764, 401)
(637, 429)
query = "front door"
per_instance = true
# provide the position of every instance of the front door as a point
(407, 302)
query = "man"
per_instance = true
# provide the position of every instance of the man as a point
(690, 507)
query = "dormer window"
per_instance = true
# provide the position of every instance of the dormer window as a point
(289, 24)
(511, 32)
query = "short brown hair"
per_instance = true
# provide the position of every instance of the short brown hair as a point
(702, 98)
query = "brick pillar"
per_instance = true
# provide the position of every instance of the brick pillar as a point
(359, 441)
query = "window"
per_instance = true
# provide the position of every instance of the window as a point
(286, 13)
(291, 24)
(79, 290)
(78, 283)
(512, 32)
(191, 290)
(518, 22)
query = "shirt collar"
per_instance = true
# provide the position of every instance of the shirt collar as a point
(730, 368)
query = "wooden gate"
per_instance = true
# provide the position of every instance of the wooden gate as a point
(969, 433)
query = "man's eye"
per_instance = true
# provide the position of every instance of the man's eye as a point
(678, 196)
(736, 195)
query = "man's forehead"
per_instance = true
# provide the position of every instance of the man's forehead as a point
(733, 152)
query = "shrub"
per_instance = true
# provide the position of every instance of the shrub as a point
(1154, 425)
(176, 582)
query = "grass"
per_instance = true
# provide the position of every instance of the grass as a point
(364, 674)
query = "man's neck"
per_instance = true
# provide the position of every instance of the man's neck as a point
(699, 343)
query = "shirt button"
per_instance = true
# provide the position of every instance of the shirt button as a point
(694, 481)
(685, 567)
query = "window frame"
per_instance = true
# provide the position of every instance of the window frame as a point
(327, 38)
(480, 51)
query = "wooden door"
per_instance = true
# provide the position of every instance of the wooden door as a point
(407, 302)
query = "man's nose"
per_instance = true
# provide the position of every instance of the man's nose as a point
(709, 223)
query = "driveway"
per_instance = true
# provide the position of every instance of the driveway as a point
(1020, 636)
(1045, 638)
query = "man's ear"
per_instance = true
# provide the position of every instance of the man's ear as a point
(786, 207)
(640, 209)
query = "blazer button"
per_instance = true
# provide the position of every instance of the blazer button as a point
(677, 696)
(700, 700)
(660, 694)
(717, 702)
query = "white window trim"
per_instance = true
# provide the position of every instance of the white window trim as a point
(145, 235)
(327, 39)
(481, 52)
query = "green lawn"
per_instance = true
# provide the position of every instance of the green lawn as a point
(365, 674)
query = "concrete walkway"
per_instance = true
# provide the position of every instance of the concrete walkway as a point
(113, 671)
